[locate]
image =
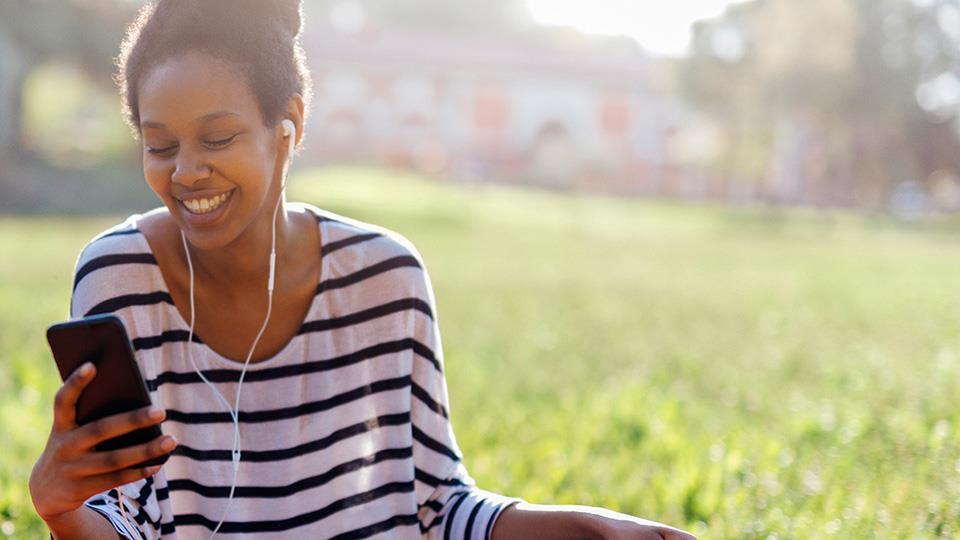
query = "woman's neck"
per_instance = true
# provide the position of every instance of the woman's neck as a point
(245, 262)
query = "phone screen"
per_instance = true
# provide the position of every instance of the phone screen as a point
(118, 385)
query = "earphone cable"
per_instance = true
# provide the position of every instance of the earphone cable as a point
(289, 131)
(235, 411)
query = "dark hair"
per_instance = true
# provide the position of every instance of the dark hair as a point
(260, 37)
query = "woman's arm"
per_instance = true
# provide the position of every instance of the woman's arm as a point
(524, 520)
(84, 523)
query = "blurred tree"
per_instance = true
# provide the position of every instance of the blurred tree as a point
(832, 89)
(85, 33)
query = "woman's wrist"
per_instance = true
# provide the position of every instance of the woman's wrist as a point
(62, 525)
(588, 524)
(575, 522)
(587, 521)
(525, 520)
(82, 523)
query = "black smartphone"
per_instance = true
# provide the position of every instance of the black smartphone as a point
(118, 385)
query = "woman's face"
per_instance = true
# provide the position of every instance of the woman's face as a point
(206, 152)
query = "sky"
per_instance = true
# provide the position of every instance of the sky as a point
(659, 26)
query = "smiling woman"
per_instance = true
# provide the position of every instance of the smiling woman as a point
(347, 431)
(205, 140)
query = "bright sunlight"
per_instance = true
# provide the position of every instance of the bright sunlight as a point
(661, 28)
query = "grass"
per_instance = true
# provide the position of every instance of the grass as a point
(741, 374)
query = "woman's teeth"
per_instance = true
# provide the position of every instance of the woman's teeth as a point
(202, 206)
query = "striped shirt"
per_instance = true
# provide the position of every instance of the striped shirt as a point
(345, 432)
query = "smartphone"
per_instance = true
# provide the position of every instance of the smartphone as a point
(118, 385)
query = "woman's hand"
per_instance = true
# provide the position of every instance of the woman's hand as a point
(70, 470)
(610, 525)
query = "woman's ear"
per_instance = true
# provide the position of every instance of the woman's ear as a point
(294, 113)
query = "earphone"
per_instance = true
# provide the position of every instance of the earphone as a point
(289, 131)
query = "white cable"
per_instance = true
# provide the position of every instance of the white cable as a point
(235, 453)
(235, 410)
(123, 513)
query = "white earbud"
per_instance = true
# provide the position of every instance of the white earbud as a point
(289, 130)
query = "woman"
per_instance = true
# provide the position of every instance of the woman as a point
(344, 430)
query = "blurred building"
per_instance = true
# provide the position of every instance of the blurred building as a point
(490, 108)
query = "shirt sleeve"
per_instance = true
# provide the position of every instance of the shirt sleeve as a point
(450, 505)
(135, 526)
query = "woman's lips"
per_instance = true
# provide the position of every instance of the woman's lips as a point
(205, 209)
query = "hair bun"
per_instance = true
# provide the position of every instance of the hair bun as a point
(290, 13)
(286, 13)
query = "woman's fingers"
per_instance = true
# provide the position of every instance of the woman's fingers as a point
(100, 463)
(92, 434)
(103, 482)
(676, 534)
(65, 402)
(70, 470)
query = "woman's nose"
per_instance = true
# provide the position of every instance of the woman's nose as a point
(190, 168)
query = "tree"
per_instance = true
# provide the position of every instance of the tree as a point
(84, 32)
(845, 74)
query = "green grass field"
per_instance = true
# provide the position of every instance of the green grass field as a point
(741, 374)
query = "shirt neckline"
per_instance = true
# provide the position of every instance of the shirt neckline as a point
(208, 351)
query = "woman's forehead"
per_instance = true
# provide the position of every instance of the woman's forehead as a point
(193, 87)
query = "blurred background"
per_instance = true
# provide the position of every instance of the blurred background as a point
(712, 244)
(828, 103)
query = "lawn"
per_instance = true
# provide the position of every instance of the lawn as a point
(739, 373)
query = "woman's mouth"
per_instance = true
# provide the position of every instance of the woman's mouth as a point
(204, 205)
(206, 210)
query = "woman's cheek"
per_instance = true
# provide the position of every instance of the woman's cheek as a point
(157, 179)
(247, 172)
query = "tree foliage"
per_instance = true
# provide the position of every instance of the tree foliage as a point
(85, 33)
(850, 73)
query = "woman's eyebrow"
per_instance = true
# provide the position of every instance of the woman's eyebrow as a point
(205, 118)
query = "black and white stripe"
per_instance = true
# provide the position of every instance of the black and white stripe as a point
(351, 439)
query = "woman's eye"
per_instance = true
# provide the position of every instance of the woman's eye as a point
(160, 150)
(212, 144)
(221, 142)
